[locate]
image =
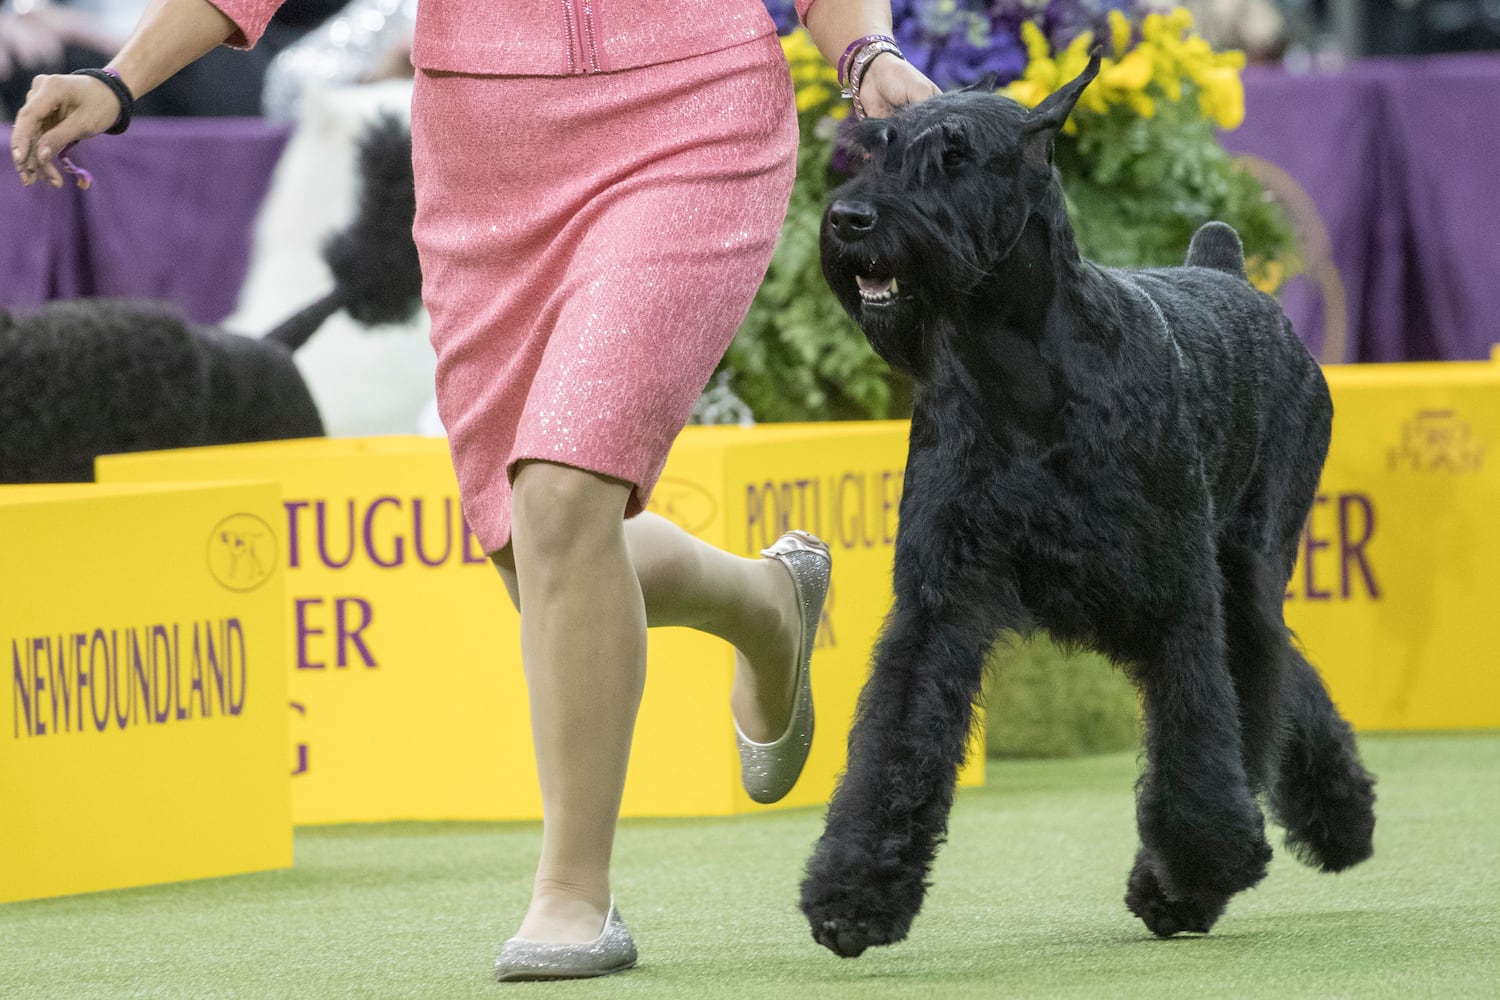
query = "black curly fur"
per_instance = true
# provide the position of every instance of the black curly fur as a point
(1124, 459)
(96, 376)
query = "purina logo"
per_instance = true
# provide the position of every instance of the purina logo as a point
(242, 552)
(1437, 441)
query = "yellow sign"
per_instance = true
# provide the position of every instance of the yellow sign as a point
(1394, 591)
(142, 630)
(407, 696)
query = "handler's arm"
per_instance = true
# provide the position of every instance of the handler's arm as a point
(61, 109)
(890, 82)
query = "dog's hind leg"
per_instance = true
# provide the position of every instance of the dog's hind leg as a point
(1202, 834)
(868, 872)
(1322, 793)
(1256, 641)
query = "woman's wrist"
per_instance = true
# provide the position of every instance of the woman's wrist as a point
(121, 92)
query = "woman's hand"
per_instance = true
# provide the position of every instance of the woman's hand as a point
(890, 83)
(59, 111)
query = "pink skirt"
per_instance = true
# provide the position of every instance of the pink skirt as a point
(589, 246)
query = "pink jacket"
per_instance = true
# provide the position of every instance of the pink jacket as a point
(554, 37)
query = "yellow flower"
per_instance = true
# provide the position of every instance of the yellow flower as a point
(1037, 48)
(1027, 92)
(1119, 33)
(1137, 76)
(1266, 275)
(1222, 97)
(1132, 72)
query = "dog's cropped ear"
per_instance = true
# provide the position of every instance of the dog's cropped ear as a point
(1048, 117)
(986, 84)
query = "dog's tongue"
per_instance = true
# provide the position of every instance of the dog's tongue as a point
(875, 286)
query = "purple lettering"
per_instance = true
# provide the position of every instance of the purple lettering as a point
(234, 643)
(416, 529)
(321, 508)
(754, 511)
(98, 642)
(83, 678)
(347, 635)
(161, 682)
(1352, 549)
(304, 630)
(399, 555)
(301, 767)
(473, 553)
(116, 688)
(293, 536)
(174, 669)
(38, 685)
(216, 668)
(851, 516)
(202, 636)
(22, 688)
(890, 493)
(1311, 545)
(142, 685)
(62, 679)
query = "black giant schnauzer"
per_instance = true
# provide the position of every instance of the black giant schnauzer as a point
(1124, 459)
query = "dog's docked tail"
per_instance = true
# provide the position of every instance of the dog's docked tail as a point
(377, 278)
(1218, 246)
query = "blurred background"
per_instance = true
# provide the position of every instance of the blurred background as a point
(1351, 142)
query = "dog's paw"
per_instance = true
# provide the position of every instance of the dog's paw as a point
(854, 900)
(1215, 849)
(848, 938)
(1165, 917)
(848, 923)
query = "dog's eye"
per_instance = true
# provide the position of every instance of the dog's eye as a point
(954, 157)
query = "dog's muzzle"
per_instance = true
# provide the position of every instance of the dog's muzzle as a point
(852, 221)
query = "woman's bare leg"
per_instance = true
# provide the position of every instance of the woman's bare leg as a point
(583, 647)
(749, 603)
(598, 581)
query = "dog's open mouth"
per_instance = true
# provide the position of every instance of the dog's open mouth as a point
(876, 291)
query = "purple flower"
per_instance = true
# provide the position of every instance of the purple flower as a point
(784, 13)
(958, 42)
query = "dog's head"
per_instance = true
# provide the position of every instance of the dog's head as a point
(946, 189)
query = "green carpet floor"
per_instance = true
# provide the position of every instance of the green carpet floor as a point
(1026, 903)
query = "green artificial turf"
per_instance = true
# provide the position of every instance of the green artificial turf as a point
(1043, 702)
(1026, 902)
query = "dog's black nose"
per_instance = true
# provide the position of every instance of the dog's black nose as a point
(852, 220)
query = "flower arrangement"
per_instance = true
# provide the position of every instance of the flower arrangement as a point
(1140, 164)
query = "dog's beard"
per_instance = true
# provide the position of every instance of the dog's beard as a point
(893, 284)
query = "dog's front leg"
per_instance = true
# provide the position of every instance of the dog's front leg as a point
(867, 875)
(1202, 834)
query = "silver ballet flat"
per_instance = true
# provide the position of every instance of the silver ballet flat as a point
(769, 770)
(612, 951)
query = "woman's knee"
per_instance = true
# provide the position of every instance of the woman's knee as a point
(557, 507)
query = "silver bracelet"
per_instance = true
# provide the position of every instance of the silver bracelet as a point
(861, 62)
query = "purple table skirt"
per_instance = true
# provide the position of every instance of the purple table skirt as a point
(1390, 167)
(170, 217)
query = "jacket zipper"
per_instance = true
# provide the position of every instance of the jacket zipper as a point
(582, 46)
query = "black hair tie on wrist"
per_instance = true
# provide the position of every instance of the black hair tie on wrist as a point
(127, 102)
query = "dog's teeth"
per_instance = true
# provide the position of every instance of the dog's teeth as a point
(875, 289)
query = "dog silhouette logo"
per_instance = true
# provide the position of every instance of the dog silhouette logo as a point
(687, 504)
(242, 552)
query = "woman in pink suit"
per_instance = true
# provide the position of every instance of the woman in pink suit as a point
(600, 184)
